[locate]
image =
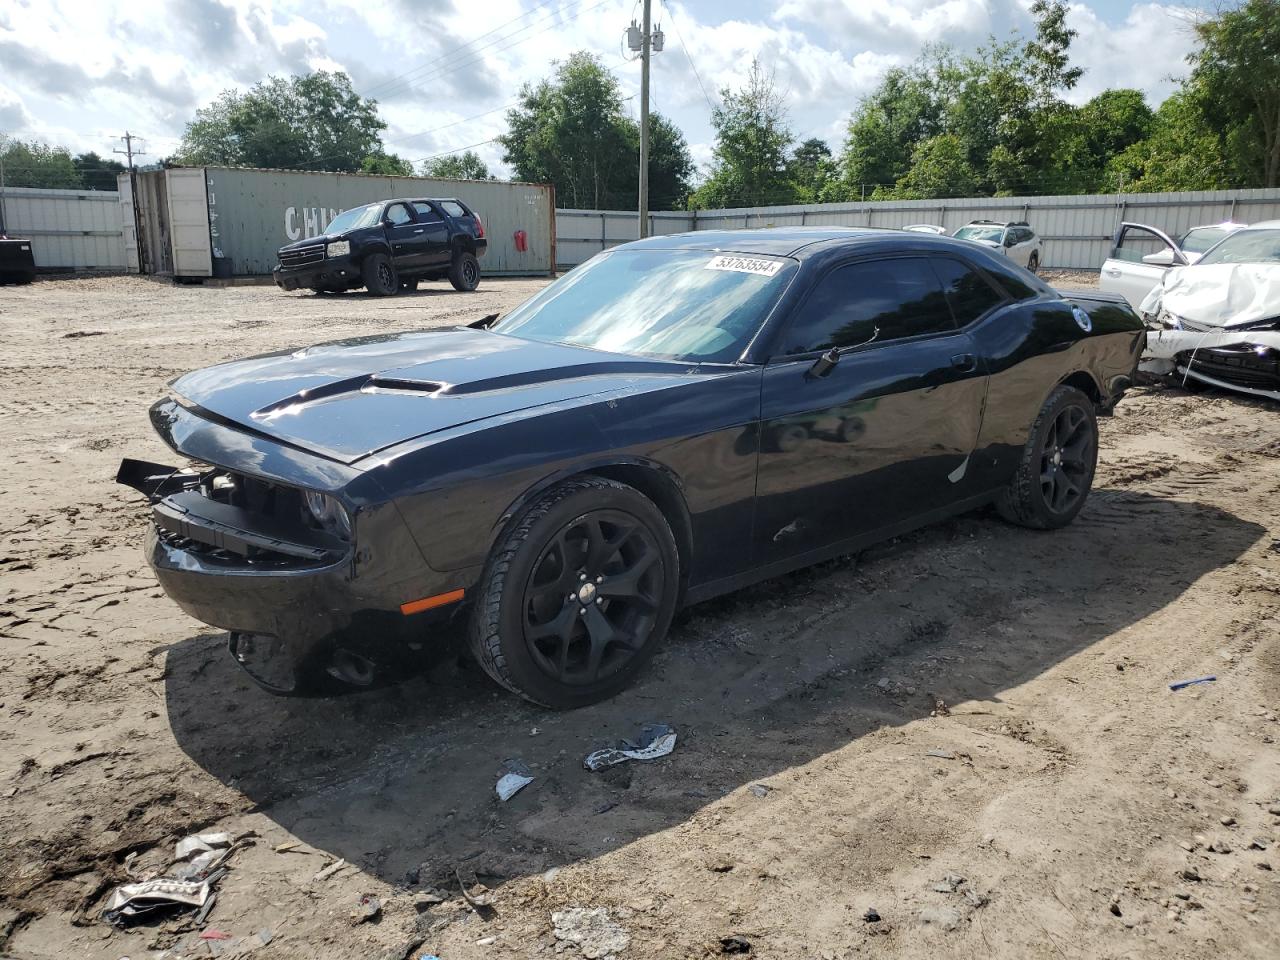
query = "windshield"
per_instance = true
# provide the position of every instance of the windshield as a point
(667, 304)
(1202, 238)
(1246, 246)
(993, 234)
(354, 219)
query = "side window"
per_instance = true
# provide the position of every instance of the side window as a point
(399, 215)
(453, 208)
(877, 300)
(1136, 243)
(426, 212)
(1017, 282)
(967, 290)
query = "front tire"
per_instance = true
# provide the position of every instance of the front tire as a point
(464, 272)
(379, 275)
(577, 594)
(1058, 461)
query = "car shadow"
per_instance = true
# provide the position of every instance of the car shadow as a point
(754, 683)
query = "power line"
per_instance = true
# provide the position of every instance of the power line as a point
(675, 26)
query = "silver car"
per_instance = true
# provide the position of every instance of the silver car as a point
(1014, 238)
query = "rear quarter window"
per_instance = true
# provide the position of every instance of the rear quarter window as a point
(1019, 284)
(455, 209)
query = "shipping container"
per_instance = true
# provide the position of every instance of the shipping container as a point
(230, 221)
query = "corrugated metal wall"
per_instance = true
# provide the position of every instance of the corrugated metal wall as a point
(255, 212)
(69, 229)
(1076, 230)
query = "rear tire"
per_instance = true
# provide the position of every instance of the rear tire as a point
(379, 275)
(464, 272)
(577, 594)
(1033, 262)
(1055, 473)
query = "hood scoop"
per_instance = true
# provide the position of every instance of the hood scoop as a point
(368, 383)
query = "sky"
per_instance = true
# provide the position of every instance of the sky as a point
(79, 74)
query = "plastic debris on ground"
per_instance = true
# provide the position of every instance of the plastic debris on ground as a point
(655, 740)
(516, 778)
(189, 883)
(1190, 683)
(368, 908)
(326, 872)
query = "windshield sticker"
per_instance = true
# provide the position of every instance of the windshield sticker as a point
(756, 265)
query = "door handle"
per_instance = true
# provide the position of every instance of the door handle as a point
(1113, 272)
(419, 230)
(965, 362)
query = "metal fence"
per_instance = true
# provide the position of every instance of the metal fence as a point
(68, 229)
(1076, 230)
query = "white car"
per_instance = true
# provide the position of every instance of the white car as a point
(1141, 254)
(1014, 238)
(1217, 322)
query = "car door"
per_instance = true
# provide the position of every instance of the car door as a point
(435, 233)
(885, 434)
(1140, 255)
(1023, 244)
(405, 237)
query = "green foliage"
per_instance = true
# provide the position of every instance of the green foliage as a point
(387, 164)
(812, 170)
(1182, 152)
(37, 164)
(751, 163)
(571, 131)
(315, 122)
(97, 173)
(939, 168)
(465, 166)
(1048, 60)
(1236, 80)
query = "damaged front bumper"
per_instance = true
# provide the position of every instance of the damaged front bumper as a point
(309, 609)
(1247, 361)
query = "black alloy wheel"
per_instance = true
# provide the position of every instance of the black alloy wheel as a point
(577, 593)
(1055, 472)
(1067, 459)
(593, 597)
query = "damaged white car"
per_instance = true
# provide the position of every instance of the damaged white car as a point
(1217, 322)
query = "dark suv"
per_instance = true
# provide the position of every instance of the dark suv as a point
(388, 246)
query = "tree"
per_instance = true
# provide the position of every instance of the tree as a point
(467, 166)
(752, 137)
(570, 131)
(316, 121)
(939, 168)
(1183, 152)
(37, 164)
(1047, 57)
(812, 169)
(1236, 78)
(97, 173)
(386, 164)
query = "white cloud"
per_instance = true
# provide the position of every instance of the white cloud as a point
(1145, 52)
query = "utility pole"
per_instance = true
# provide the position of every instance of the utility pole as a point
(647, 41)
(129, 153)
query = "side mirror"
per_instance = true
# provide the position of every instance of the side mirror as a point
(824, 364)
(1161, 258)
(1010, 241)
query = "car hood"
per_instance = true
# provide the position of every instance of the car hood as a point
(349, 399)
(1218, 294)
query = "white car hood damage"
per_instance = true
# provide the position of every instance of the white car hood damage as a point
(1211, 303)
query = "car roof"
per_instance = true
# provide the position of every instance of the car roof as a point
(799, 242)
(1264, 225)
(998, 223)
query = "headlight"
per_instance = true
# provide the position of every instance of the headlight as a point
(329, 513)
(338, 248)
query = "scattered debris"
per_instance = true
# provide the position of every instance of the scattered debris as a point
(1227, 821)
(940, 708)
(517, 777)
(213, 934)
(655, 740)
(200, 843)
(941, 754)
(190, 883)
(1188, 683)
(326, 872)
(871, 916)
(976, 898)
(131, 901)
(486, 941)
(368, 908)
(605, 807)
(78, 334)
(595, 933)
(735, 944)
(479, 900)
(1259, 843)
(286, 847)
(948, 884)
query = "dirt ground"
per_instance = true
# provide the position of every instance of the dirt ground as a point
(974, 701)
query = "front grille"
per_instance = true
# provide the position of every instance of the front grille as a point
(1241, 365)
(302, 256)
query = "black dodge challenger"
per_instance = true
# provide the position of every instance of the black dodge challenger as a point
(675, 419)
